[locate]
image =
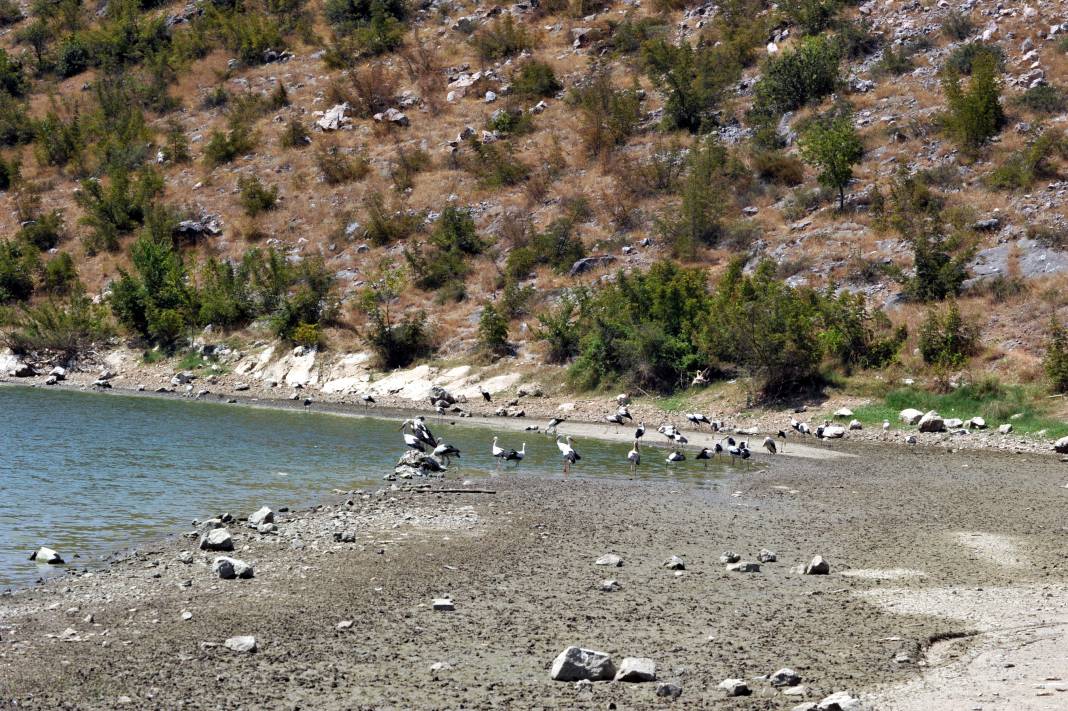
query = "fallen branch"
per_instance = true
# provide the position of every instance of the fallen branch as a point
(454, 491)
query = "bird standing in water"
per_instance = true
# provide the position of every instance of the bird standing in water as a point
(634, 457)
(568, 453)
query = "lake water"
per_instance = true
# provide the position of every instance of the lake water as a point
(92, 474)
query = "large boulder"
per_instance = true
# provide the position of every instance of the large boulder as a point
(843, 413)
(910, 416)
(840, 701)
(976, 423)
(217, 539)
(932, 422)
(439, 393)
(230, 568)
(588, 263)
(414, 464)
(241, 644)
(23, 370)
(261, 516)
(954, 423)
(818, 566)
(577, 664)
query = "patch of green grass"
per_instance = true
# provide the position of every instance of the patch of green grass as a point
(990, 400)
(150, 357)
(193, 361)
(679, 402)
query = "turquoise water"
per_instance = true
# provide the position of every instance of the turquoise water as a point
(92, 474)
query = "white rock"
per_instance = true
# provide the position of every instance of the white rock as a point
(443, 604)
(735, 687)
(843, 412)
(1061, 446)
(932, 422)
(241, 644)
(976, 423)
(785, 677)
(610, 559)
(230, 568)
(263, 515)
(745, 566)
(817, 566)
(636, 669)
(954, 423)
(218, 539)
(840, 701)
(576, 664)
(910, 416)
(855, 425)
(1005, 428)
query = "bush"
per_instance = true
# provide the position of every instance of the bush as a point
(10, 13)
(557, 330)
(255, 196)
(115, 209)
(60, 141)
(975, 116)
(16, 127)
(294, 135)
(502, 39)
(337, 168)
(946, 339)
(557, 247)
(535, 79)
(409, 163)
(608, 115)
(442, 266)
(225, 147)
(67, 329)
(797, 77)
(856, 41)
(495, 164)
(1021, 169)
(383, 226)
(629, 35)
(12, 77)
(72, 56)
(347, 16)
(511, 122)
(42, 230)
(493, 331)
(811, 16)
(309, 335)
(939, 273)
(1043, 99)
(963, 59)
(693, 81)
(777, 167)
(60, 275)
(248, 34)
(18, 265)
(395, 344)
(894, 62)
(176, 145)
(957, 26)
(1056, 360)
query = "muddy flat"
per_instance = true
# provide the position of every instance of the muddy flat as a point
(946, 590)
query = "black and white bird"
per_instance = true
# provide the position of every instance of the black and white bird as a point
(697, 418)
(624, 413)
(553, 424)
(782, 436)
(679, 439)
(446, 452)
(769, 444)
(516, 456)
(568, 453)
(485, 394)
(498, 452)
(675, 456)
(734, 451)
(414, 442)
(367, 399)
(731, 442)
(668, 431)
(615, 419)
(705, 454)
(634, 457)
(718, 449)
(640, 432)
(420, 430)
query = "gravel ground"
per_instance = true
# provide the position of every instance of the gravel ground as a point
(942, 565)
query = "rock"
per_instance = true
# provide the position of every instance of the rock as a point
(414, 464)
(807, 706)
(636, 669)
(610, 586)
(218, 539)
(439, 393)
(798, 690)
(729, 557)
(817, 566)
(23, 370)
(833, 432)
(59, 373)
(735, 687)
(334, 119)
(393, 116)
(785, 677)
(855, 425)
(843, 413)
(840, 701)
(668, 691)
(932, 422)
(263, 515)
(954, 423)
(1005, 428)
(187, 615)
(46, 556)
(576, 664)
(675, 563)
(745, 566)
(241, 644)
(443, 604)
(911, 439)
(343, 625)
(610, 559)
(182, 378)
(185, 557)
(976, 423)
(266, 528)
(986, 225)
(230, 568)
(767, 556)
(241, 387)
(588, 263)
(910, 416)
(1061, 446)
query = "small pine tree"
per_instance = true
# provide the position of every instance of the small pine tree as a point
(946, 339)
(493, 331)
(1056, 362)
(834, 148)
(975, 116)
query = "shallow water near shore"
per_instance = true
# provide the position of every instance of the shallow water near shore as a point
(92, 474)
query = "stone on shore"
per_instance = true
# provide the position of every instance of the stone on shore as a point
(817, 566)
(729, 557)
(218, 539)
(230, 568)
(976, 423)
(807, 706)
(735, 687)
(414, 464)
(263, 515)
(745, 566)
(932, 422)
(46, 556)
(241, 644)
(667, 690)
(910, 416)
(767, 556)
(843, 413)
(610, 586)
(840, 701)
(636, 669)
(610, 559)
(443, 604)
(675, 563)
(1005, 429)
(954, 423)
(785, 677)
(576, 664)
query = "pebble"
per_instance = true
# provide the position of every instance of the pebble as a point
(675, 563)
(610, 586)
(840, 701)
(230, 568)
(576, 664)
(443, 604)
(729, 557)
(241, 644)
(344, 625)
(668, 691)
(818, 566)
(745, 566)
(785, 677)
(767, 556)
(187, 615)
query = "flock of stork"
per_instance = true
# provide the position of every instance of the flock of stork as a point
(417, 436)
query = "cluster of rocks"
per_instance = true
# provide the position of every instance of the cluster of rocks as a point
(788, 683)
(588, 665)
(931, 421)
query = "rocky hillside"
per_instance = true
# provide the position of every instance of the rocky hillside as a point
(454, 154)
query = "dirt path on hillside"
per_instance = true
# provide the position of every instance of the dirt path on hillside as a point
(923, 545)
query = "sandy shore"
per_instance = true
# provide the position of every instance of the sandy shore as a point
(947, 590)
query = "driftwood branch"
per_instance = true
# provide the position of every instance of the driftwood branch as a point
(454, 491)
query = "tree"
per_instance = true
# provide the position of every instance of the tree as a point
(946, 339)
(493, 331)
(1056, 361)
(834, 148)
(395, 344)
(975, 116)
(939, 272)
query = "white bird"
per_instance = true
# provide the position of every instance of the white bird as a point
(782, 436)
(769, 444)
(498, 452)
(568, 453)
(516, 456)
(679, 439)
(668, 431)
(553, 423)
(485, 394)
(624, 413)
(614, 419)
(634, 457)
(446, 452)
(640, 432)
(675, 456)
(413, 442)
(698, 419)
(886, 428)
(367, 399)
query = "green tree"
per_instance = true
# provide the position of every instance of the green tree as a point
(941, 264)
(833, 147)
(691, 79)
(493, 331)
(946, 339)
(796, 77)
(395, 343)
(1056, 360)
(975, 115)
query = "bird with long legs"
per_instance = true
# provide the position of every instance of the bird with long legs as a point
(769, 444)
(705, 454)
(568, 453)
(553, 424)
(446, 452)
(634, 456)
(498, 452)
(513, 455)
(640, 432)
(675, 456)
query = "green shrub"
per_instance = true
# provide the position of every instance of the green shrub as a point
(557, 329)
(833, 147)
(18, 265)
(1043, 99)
(337, 168)
(557, 247)
(395, 343)
(501, 39)
(72, 56)
(442, 265)
(10, 173)
(12, 77)
(629, 35)
(16, 127)
(225, 147)
(60, 142)
(255, 196)
(311, 299)
(10, 13)
(811, 16)
(946, 339)
(385, 226)
(894, 62)
(216, 98)
(510, 122)
(535, 79)
(346, 16)
(248, 34)
(294, 135)
(176, 145)
(60, 275)
(940, 265)
(495, 164)
(957, 26)
(42, 230)
(493, 331)
(409, 163)
(309, 335)
(797, 77)
(1022, 168)
(608, 116)
(855, 40)
(67, 329)
(693, 81)
(975, 115)
(117, 207)
(963, 59)
(1056, 360)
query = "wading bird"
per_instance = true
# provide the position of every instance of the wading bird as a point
(446, 452)
(679, 439)
(668, 431)
(485, 394)
(675, 456)
(886, 428)
(640, 432)
(782, 436)
(634, 457)
(698, 419)
(516, 456)
(367, 400)
(413, 442)
(553, 423)
(769, 444)
(705, 454)
(568, 453)
(624, 413)
(614, 419)
(498, 452)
